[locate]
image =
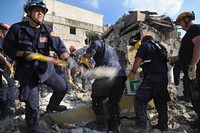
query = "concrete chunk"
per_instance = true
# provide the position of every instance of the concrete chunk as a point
(85, 114)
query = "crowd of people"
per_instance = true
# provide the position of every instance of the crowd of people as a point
(24, 38)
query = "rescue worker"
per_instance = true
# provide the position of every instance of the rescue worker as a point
(152, 57)
(9, 84)
(4, 64)
(75, 70)
(30, 36)
(72, 50)
(189, 55)
(104, 55)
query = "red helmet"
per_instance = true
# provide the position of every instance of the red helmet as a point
(72, 48)
(4, 26)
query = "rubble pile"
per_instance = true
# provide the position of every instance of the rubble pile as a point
(131, 27)
(180, 114)
(125, 32)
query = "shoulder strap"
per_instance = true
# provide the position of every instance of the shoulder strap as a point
(158, 52)
(161, 51)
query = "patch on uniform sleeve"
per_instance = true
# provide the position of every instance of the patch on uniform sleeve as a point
(53, 34)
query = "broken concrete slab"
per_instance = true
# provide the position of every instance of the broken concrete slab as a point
(136, 24)
(83, 115)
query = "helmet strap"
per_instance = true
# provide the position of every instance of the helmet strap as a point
(186, 22)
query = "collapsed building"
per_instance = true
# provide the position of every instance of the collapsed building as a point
(129, 29)
(72, 24)
(121, 36)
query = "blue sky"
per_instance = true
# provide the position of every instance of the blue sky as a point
(12, 10)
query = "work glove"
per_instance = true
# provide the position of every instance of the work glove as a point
(12, 72)
(58, 62)
(70, 80)
(131, 76)
(74, 86)
(38, 56)
(137, 45)
(86, 62)
(4, 79)
(192, 72)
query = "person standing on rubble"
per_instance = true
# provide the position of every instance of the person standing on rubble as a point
(29, 37)
(73, 72)
(4, 64)
(72, 50)
(8, 76)
(9, 86)
(152, 57)
(104, 55)
(189, 55)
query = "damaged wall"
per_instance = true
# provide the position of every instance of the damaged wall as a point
(71, 23)
(131, 27)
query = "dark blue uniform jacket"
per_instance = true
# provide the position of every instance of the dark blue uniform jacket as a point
(105, 55)
(22, 36)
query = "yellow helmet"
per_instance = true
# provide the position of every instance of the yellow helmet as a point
(183, 15)
(137, 45)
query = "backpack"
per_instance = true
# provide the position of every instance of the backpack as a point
(157, 61)
(160, 52)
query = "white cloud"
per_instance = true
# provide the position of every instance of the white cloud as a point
(93, 3)
(162, 7)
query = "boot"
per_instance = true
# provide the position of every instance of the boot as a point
(160, 127)
(113, 124)
(59, 108)
(114, 120)
(54, 103)
(100, 124)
